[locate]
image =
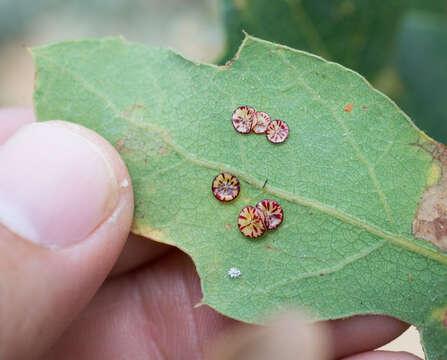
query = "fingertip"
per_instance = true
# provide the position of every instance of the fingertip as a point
(60, 181)
(12, 119)
(362, 333)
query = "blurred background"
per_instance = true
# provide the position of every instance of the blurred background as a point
(400, 46)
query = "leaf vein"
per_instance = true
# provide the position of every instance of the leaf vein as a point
(354, 145)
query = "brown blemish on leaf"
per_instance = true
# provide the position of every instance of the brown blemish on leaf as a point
(228, 226)
(430, 221)
(365, 108)
(120, 145)
(162, 151)
(348, 108)
(228, 64)
(440, 314)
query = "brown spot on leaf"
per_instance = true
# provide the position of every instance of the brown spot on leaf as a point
(430, 221)
(120, 145)
(228, 64)
(444, 320)
(162, 151)
(365, 108)
(348, 108)
(228, 226)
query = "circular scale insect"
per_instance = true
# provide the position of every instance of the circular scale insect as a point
(277, 131)
(225, 186)
(242, 119)
(261, 122)
(251, 222)
(273, 213)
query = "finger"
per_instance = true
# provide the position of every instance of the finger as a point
(137, 252)
(362, 333)
(146, 314)
(13, 119)
(288, 337)
(383, 355)
(64, 219)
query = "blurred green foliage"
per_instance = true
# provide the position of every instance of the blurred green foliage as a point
(421, 61)
(374, 38)
(17, 15)
(137, 19)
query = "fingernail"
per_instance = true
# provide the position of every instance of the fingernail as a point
(56, 186)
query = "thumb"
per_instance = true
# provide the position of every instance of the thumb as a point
(66, 207)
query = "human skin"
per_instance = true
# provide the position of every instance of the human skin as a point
(77, 285)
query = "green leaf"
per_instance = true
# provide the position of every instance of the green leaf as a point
(357, 34)
(422, 65)
(350, 182)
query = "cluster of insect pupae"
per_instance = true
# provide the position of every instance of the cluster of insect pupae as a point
(246, 119)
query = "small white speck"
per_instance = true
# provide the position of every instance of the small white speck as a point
(234, 272)
(124, 183)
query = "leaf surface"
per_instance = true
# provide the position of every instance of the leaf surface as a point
(350, 177)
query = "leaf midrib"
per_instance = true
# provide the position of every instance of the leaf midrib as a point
(311, 203)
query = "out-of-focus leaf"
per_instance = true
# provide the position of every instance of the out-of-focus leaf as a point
(356, 33)
(421, 62)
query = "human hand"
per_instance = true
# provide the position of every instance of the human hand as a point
(75, 285)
